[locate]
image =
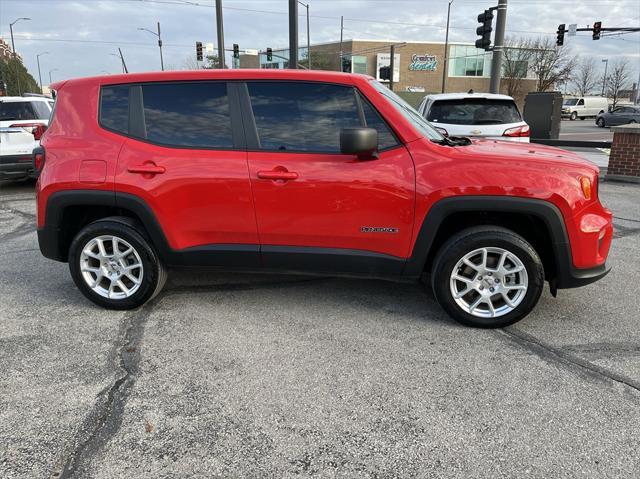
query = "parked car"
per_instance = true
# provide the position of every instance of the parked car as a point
(305, 171)
(583, 107)
(23, 120)
(480, 115)
(620, 115)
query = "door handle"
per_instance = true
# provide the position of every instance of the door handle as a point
(147, 169)
(277, 175)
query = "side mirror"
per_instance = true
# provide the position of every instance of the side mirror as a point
(359, 141)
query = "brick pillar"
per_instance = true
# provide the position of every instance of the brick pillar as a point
(624, 160)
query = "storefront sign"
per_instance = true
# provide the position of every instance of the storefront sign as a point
(423, 63)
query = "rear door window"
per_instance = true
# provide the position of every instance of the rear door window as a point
(190, 114)
(114, 108)
(474, 111)
(302, 116)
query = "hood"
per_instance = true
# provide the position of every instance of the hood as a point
(525, 153)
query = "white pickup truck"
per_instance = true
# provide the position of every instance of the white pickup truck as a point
(23, 120)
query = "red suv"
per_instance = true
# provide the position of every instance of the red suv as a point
(305, 171)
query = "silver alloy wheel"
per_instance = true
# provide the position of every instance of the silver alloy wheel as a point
(489, 282)
(111, 267)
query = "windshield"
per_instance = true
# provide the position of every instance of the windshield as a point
(408, 112)
(24, 110)
(570, 101)
(474, 111)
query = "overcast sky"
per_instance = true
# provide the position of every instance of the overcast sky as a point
(81, 35)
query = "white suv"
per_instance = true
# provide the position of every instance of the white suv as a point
(484, 115)
(23, 120)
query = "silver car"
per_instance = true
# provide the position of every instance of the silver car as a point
(620, 115)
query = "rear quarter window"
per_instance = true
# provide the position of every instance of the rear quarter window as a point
(114, 108)
(475, 111)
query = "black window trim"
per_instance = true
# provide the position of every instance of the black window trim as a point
(136, 115)
(251, 129)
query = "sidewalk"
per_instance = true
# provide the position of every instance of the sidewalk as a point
(598, 156)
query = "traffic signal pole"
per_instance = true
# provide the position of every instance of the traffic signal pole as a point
(498, 46)
(220, 29)
(293, 34)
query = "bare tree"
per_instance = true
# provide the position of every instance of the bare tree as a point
(617, 80)
(585, 79)
(190, 63)
(550, 64)
(515, 65)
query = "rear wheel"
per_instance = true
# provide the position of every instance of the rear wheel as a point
(487, 277)
(114, 266)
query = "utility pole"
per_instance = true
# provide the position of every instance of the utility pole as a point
(498, 46)
(160, 47)
(306, 5)
(604, 78)
(293, 34)
(124, 65)
(392, 66)
(14, 55)
(341, 29)
(39, 74)
(446, 48)
(220, 29)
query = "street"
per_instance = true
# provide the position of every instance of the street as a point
(584, 130)
(238, 375)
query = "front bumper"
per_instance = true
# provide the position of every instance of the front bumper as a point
(16, 166)
(577, 277)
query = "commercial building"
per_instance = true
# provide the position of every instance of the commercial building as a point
(417, 65)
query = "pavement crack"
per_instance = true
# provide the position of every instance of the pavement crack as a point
(105, 418)
(549, 353)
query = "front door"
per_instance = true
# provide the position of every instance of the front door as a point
(317, 208)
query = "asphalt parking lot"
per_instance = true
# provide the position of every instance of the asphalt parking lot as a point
(231, 375)
(584, 130)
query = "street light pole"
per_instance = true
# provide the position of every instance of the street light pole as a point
(159, 42)
(39, 75)
(13, 53)
(446, 48)
(604, 79)
(160, 47)
(50, 72)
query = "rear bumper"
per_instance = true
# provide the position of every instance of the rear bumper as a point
(16, 166)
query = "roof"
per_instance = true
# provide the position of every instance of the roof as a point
(463, 96)
(217, 74)
(24, 98)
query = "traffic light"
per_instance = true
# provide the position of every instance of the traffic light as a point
(560, 32)
(385, 73)
(199, 56)
(597, 26)
(236, 51)
(269, 54)
(484, 30)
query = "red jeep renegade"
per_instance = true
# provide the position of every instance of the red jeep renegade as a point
(305, 171)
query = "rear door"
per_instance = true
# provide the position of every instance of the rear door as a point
(317, 208)
(187, 161)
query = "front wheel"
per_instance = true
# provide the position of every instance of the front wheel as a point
(114, 266)
(600, 122)
(574, 116)
(487, 277)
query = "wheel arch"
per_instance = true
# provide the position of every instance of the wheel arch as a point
(538, 221)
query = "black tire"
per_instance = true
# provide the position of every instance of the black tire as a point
(467, 241)
(600, 122)
(631, 122)
(574, 116)
(583, 117)
(154, 274)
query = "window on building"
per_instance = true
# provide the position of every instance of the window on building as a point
(298, 116)
(468, 61)
(359, 64)
(114, 108)
(191, 114)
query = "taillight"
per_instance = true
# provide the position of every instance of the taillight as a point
(518, 131)
(36, 129)
(442, 130)
(38, 159)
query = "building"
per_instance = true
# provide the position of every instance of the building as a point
(417, 66)
(5, 51)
